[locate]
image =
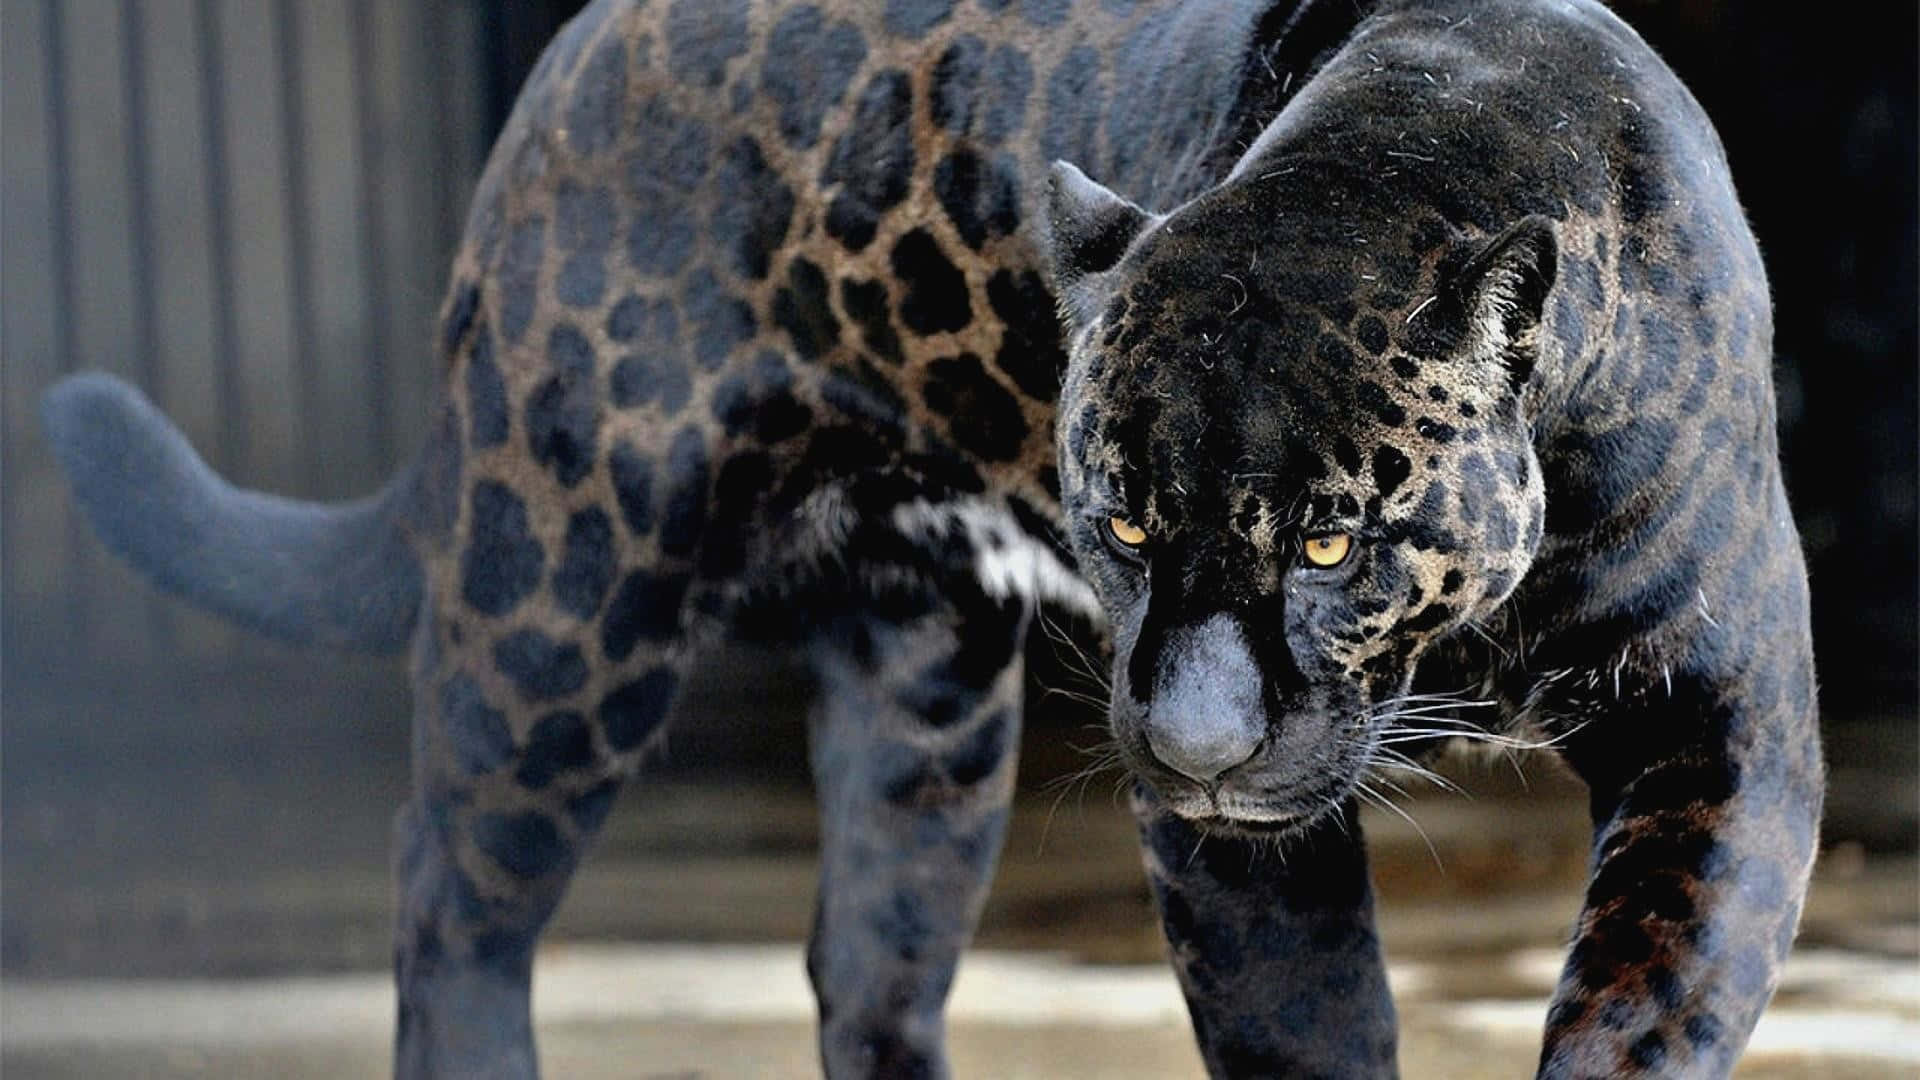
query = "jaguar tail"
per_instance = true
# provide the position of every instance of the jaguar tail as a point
(340, 575)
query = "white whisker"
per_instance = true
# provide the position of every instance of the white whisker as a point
(1505, 656)
(1394, 759)
(1399, 736)
(1437, 710)
(1080, 696)
(1105, 757)
(1456, 697)
(1366, 792)
(1439, 718)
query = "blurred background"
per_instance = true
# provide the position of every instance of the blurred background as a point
(247, 207)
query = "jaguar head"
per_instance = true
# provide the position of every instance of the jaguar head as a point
(1294, 453)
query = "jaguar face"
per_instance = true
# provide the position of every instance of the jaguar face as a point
(1285, 480)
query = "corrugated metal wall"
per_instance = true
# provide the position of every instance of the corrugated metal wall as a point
(247, 208)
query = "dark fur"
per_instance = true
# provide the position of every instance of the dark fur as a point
(754, 331)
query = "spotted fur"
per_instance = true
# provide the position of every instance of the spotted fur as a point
(782, 320)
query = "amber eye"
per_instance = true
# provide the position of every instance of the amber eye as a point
(1324, 551)
(1126, 532)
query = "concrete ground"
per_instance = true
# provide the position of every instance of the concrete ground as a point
(209, 899)
(743, 1011)
(1067, 982)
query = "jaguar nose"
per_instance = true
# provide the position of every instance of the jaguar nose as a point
(1205, 755)
(1206, 716)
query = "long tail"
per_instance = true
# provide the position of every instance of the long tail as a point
(341, 575)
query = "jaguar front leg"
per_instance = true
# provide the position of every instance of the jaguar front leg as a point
(1701, 858)
(1274, 946)
(913, 755)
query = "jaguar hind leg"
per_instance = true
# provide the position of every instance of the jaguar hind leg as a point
(513, 776)
(913, 754)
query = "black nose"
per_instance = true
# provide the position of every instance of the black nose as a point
(1206, 716)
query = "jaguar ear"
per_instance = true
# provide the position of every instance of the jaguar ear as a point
(1087, 227)
(1502, 293)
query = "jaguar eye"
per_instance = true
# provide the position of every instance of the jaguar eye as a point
(1327, 551)
(1126, 532)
